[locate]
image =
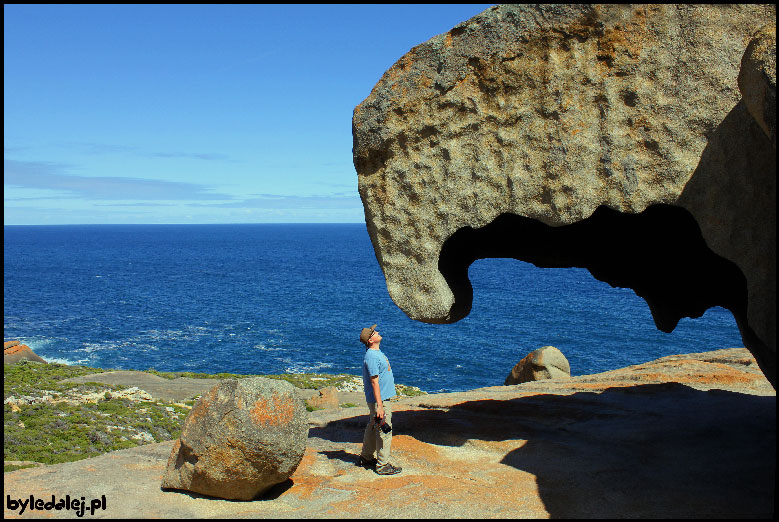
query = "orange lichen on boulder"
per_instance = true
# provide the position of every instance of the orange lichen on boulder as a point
(274, 411)
(242, 438)
(14, 351)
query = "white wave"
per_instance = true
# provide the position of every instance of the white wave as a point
(96, 347)
(69, 362)
(264, 348)
(168, 335)
(43, 348)
(38, 346)
(300, 368)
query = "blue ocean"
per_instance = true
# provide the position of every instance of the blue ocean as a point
(275, 298)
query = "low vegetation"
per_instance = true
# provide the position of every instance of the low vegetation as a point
(45, 420)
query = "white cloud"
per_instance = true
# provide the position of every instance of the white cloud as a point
(51, 176)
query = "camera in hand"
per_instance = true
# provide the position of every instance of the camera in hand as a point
(383, 426)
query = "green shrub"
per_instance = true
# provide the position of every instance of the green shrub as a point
(14, 467)
(28, 377)
(54, 431)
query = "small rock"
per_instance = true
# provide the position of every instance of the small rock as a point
(544, 363)
(13, 352)
(327, 399)
(144, 437)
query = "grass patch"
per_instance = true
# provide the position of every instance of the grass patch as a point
(408, 391)
(26, 377)
(14, 467)
(310, 381)
(194, 375)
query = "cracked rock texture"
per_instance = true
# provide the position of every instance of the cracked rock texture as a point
(635, 141)
(241, 438)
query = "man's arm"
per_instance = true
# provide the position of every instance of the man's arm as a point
(377, 395)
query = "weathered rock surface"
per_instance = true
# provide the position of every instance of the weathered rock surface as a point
(757, 80)
(325, 398)
(546, 362)
(610, 137)
(14, 351)
(240, 439)
(686, 436)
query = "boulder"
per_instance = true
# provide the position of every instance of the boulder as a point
(609, 137)
(240, 439)
(546, 362)
(14, 351)
(326, 399)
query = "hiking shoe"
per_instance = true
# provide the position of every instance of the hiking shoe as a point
(388, 469)
(365, 463)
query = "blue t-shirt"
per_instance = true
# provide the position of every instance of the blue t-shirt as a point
(376, 363)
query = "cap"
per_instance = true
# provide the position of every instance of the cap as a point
(366, 333)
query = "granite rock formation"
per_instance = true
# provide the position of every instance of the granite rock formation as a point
(326, 398)
(240, 439)
(610, 137)
(689, 436)
(546, 362)
(14, 351)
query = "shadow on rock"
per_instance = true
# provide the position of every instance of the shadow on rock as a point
(342, 430)
(343, 456)
(657, 450)
(731, 191)
(276, 491)
(271, 494)
(665, 451)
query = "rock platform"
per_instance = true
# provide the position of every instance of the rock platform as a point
(683, 436)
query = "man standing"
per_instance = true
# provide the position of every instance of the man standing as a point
(379, 387)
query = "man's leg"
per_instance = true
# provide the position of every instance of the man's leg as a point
(384, 440)
(369, 438)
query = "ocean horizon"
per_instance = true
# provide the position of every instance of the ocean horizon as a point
(292, 298)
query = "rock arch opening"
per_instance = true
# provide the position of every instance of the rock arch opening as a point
(660, 254)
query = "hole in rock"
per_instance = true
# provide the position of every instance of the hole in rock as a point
(660, 254)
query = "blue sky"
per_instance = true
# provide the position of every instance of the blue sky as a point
(194, 114)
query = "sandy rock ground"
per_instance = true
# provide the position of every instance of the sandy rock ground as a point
(684, 436)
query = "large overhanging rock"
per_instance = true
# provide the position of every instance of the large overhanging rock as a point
(613, 138)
